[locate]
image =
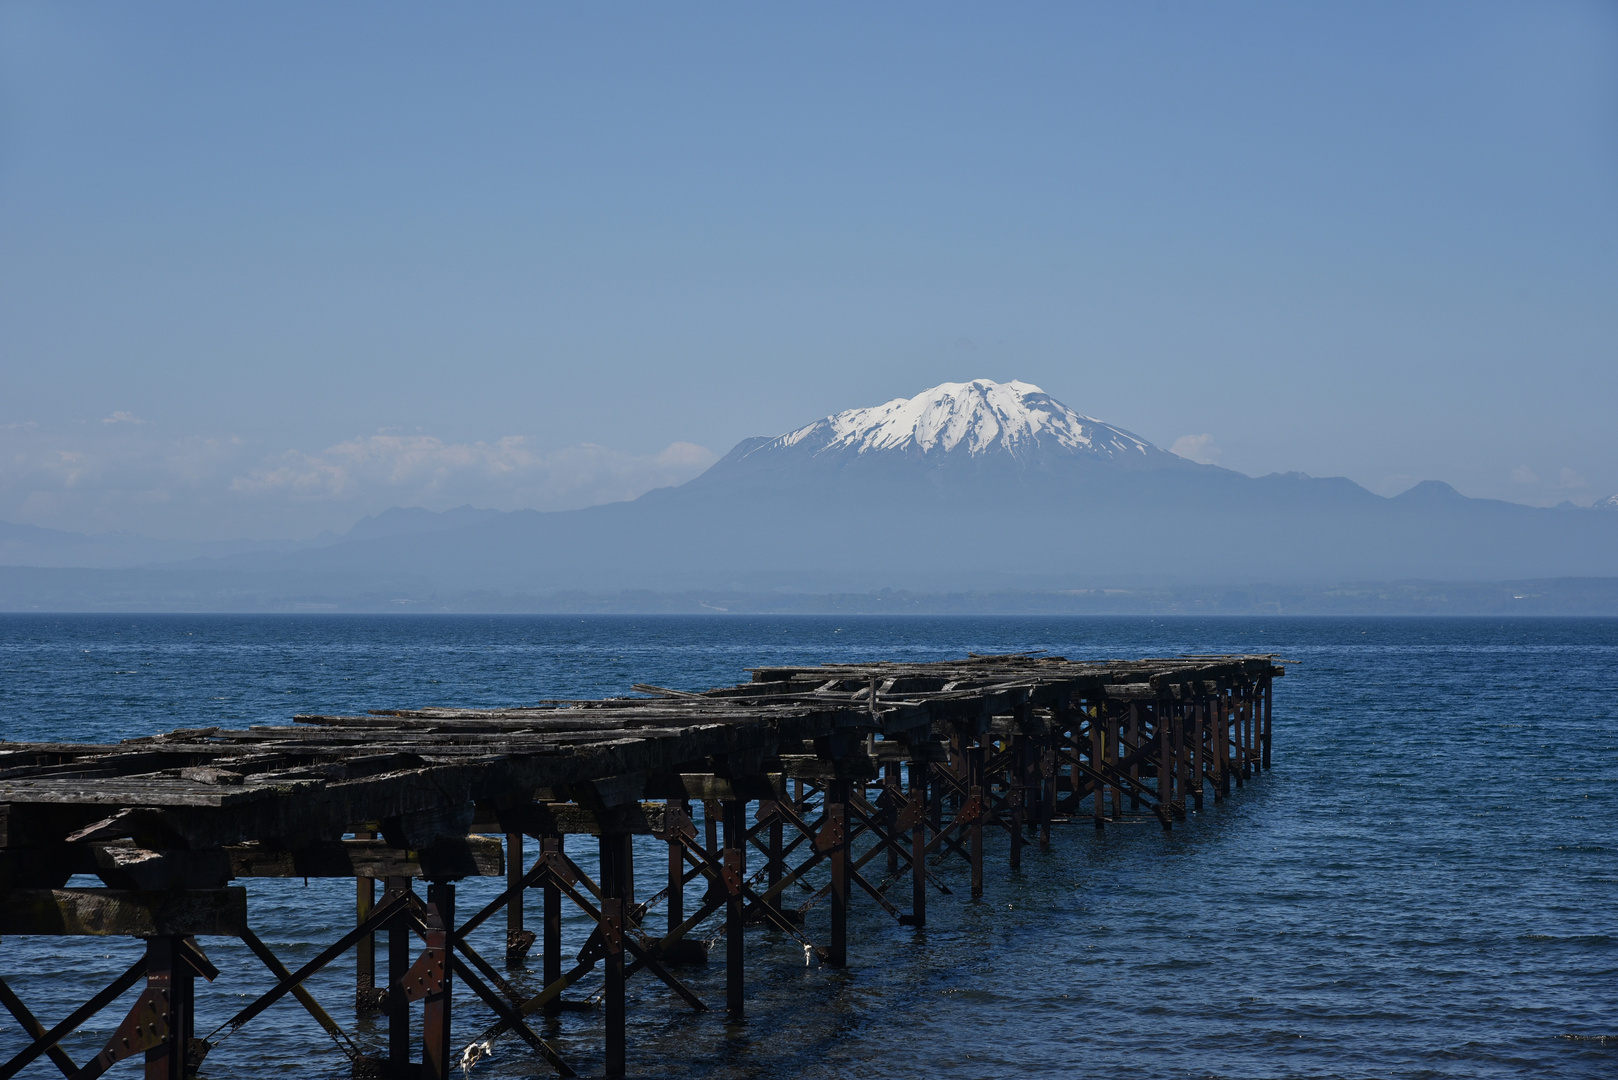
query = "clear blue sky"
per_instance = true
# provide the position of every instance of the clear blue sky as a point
(329, 256)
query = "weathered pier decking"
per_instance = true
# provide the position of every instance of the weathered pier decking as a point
(867, 783)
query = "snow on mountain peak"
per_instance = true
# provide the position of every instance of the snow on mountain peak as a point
(977, 417)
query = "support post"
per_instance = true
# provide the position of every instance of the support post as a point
(890, 787)
(1134, 744)
(612, 933)
(711, 814)
(735, 864)
(398, 1007)
(1047, 790)
(677, 868)
(1254, 711)
(918, 845)
(169, 981)
(837, 821)
(1165, 756)
(1252, 731)
(1018, 791)
(975, 794)
(1114, 729)
(616, 869)
(1183, 715)
(365, 996)
(1062, 713)
(1268, 692)
(935, 807)
(552, 960)
(437, 1055)
(777, 841)
(1098, 762)
(1239, 751)
(517, 941)
(1199, 710)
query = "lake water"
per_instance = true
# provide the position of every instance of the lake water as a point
(1425, 884)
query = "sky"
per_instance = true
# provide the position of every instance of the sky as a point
(265, 269)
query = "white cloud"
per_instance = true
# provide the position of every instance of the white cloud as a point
(1571, 480)
(1199, 448)
(128, 477)
(121, 417)
(506, 473)
(1522, 474)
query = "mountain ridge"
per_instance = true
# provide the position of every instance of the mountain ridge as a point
(973, 485)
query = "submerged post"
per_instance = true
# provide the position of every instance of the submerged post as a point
(1199, 710)
(612, 934)
(776, 842)
(1268, 690)
(169, 991)
(676, 808)
(551, 847)
(890, 814)
(918, 842)
(615, 889)
(1165, 760)
(398, 1006)
(975, 800)
(518, 940)
(1239, 750)
(365, 996)
(1016, 791)
(1098, 762)
(837, 795)
(735, 867)
(1047, 790)
(437, 1056)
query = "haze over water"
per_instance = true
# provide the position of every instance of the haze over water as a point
(1423, 886)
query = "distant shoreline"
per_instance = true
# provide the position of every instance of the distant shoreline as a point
(51, 590)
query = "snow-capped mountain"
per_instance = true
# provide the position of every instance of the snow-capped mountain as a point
(966, 486)
(952, 437)
(973, 419)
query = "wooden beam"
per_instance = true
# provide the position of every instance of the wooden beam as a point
(121, 912)
(471, 856)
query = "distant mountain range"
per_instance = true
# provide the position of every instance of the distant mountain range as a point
(967, 486)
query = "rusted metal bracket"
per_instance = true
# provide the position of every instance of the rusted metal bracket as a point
(146, 1026)
(913, 813)
(971, 810)
(832, 836)
(676, 821)
(561, 868)
(426, 976)
(612, 926)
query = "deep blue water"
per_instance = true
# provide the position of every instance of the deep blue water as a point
(1424, 885)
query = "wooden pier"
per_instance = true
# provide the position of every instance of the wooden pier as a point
(842, 784)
